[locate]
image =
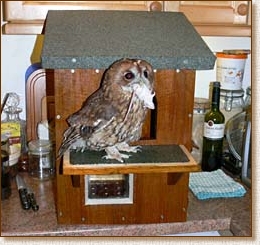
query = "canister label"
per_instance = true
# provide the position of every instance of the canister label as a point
(230, 71)
(214, 131)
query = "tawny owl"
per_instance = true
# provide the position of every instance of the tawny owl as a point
(113, 116)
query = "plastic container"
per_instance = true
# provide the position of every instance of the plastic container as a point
(41, 159)
(230, 70)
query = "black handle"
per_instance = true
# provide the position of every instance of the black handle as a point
(32, 200)
(23, 198)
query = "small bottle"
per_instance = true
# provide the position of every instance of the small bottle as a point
(214, 127)
(14, 128)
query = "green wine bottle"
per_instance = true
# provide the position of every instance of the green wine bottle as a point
(214, 125)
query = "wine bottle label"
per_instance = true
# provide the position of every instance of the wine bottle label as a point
(213, 130)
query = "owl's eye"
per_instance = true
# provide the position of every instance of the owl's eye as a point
(145, 74)
(129, 75)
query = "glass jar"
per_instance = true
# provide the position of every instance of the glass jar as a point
(14, 128)
(231, 102)
(201, 106)
(41, 159)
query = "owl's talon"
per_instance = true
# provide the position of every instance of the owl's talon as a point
(113, 153)
(120, 157)
(127, 148)
(138, 148)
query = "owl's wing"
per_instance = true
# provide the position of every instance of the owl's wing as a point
(95, 113)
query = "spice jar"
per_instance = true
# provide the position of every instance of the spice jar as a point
(201, 106)
(41, 159)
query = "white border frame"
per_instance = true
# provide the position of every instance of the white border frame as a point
(103, 201)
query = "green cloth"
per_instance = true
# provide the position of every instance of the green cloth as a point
(215, 184)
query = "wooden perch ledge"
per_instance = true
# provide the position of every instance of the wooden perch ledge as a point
(152, 159)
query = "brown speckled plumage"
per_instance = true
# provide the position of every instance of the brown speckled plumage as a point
(113, 116)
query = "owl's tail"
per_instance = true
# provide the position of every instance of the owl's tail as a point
(70, 136)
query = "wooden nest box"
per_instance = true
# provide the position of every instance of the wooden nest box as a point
(153, 186)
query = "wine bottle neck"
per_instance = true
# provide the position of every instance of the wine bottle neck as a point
(215, 98)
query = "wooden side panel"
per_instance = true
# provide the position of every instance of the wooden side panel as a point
(174, 93)
(159, 202)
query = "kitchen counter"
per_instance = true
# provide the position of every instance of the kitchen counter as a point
(229, 214)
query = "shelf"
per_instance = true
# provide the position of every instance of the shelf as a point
(152, 159)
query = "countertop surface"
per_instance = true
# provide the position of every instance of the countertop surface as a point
(225, 214)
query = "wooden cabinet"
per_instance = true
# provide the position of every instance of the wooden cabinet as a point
(209, 12)
(224, 18)
(27, 17)
(210, 18)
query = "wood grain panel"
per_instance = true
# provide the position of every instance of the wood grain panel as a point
(151, 204)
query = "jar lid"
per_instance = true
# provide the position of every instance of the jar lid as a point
(40, 145)
(232, 93)
(231, 56)
(201, 104)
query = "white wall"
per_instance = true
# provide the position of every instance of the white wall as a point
(16, 58)
(17, 50)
